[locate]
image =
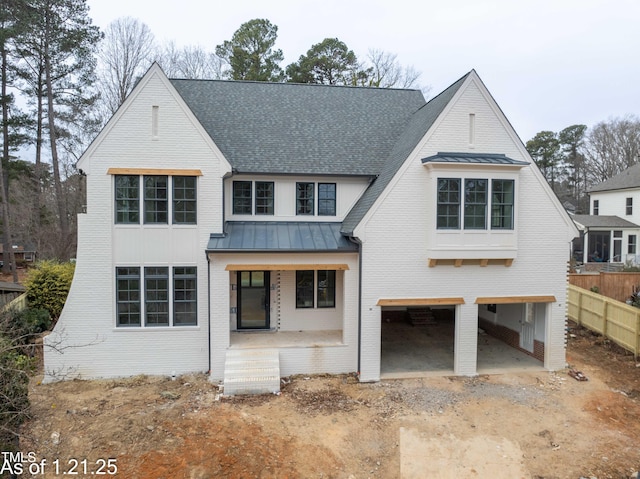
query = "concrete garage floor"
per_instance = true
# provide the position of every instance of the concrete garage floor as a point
(427, 350)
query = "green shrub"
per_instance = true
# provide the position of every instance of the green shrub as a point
(14, 393)
(48, 286)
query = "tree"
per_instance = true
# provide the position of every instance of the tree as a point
(126, 52)
(59, 54)
(384, 71)
(572, 143)
(544, 148)
(190, 62)
(13, 121)
(612, 146)
(250, 53)
(329, 62)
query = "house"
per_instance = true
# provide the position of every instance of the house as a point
(610, 233)
(227, 216)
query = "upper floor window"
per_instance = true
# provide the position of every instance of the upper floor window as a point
(596, 207)
(243, 194)
(242, 197)
(502, 201)
(305, 198)
(157, 204)
(127, 199)
(448, 212)
(155, 199)
(184, 200)
(326, 199)
(476, 202)
(264, 197)
(629, 209)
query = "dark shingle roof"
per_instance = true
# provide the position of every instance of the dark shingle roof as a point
(603, 221)
(280, 236)
(285, 128)
(476, 158)
(629, 178)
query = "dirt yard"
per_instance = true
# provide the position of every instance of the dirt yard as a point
(546, 425)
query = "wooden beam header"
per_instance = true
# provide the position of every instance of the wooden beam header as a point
(515, 299)
(154, 171)
(286, 267)
(419, 301)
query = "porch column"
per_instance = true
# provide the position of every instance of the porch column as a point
(465, 357)
(219, 317)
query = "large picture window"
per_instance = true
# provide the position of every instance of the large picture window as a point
(151, 296)
(127, 196)
(155, 199)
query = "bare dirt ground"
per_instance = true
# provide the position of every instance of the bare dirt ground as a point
(336, 427)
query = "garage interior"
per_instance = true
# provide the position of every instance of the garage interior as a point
(418, 342)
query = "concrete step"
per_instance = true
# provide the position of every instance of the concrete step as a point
(251, 371)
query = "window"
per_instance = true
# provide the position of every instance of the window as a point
(304, 198)
(475, 204)
(502, 204)
(156, 296)
(241, 197)
(155, 199)
(629, 206)
(128, 296)
(448, 212)
(326, 199)
(264, 197)
(185, 299)
(304, 289)
(127, 199)
(184, 200)
(596, 207)
(317, 288)
(632, 244)
(326, 289)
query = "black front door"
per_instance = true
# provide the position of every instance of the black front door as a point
(253, 300)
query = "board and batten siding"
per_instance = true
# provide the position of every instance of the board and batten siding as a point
(86, 342)
(396, 240)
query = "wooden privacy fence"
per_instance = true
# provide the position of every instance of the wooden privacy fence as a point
(619, 285)
(613, 319)
(17, 304)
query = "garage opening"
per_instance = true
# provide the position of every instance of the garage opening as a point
(511, 335)
(417, 340)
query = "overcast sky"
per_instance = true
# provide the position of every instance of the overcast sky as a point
(548, 63)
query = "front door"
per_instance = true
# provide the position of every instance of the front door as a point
(253, 300)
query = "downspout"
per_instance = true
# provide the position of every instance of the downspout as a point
(355, 240)
(209, 307)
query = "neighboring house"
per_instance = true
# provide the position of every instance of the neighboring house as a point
(610, 233)
(22, 253)
(217, 209)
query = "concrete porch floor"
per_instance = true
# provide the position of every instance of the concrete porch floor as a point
(427, 350)
(285, 339)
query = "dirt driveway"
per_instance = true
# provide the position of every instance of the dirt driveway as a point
(534, 425)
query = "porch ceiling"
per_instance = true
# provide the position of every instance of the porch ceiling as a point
(286, 267)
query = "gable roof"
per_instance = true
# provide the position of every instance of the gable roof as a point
(289, 128)
(629, 178)
(415, 130)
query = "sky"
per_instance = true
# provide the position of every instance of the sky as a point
(549, 64)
